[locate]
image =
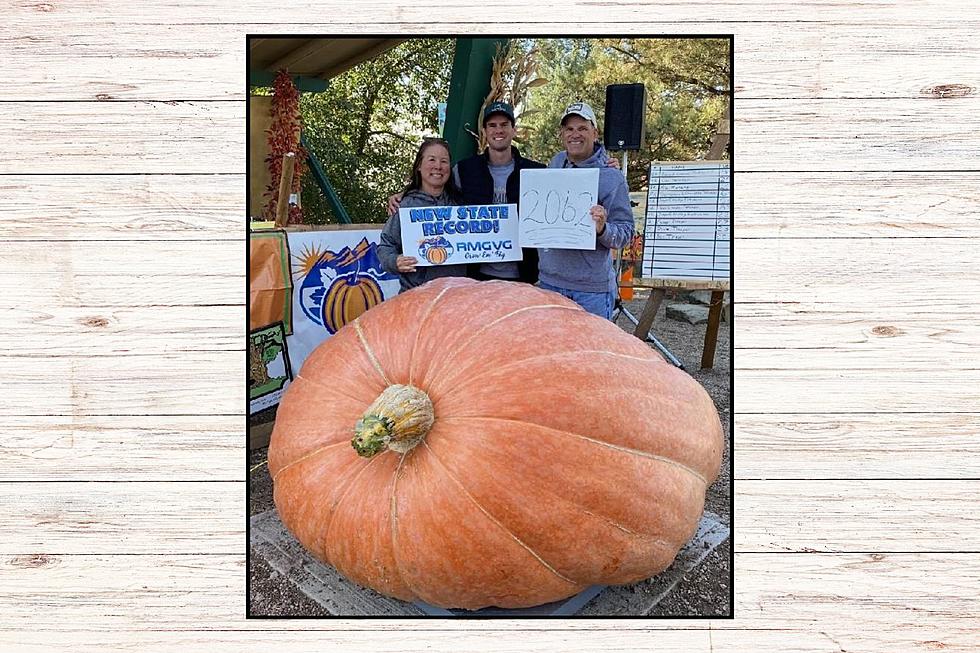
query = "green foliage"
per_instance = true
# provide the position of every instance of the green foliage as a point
(687, 83)
(366, 127)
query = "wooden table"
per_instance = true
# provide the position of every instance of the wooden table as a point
(658, 291)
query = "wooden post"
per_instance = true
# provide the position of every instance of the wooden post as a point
(650, 308)
(285, 186)
(718, 146)
(259, 435)
(719, 143)
(711, 335)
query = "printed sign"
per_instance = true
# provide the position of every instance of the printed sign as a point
(268, 366)
(337, 276)
(688, 223)
(555, 208)
(448, 235)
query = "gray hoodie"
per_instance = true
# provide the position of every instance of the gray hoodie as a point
(390, 246)
(592, 270)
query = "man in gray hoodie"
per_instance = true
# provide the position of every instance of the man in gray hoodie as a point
(587, 276)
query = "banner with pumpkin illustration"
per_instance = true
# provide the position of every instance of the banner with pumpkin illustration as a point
(310, 284)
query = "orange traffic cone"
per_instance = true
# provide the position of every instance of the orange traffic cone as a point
(626, 284)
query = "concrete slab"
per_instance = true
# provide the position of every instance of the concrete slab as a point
(339, 596)
(703, 298)
(691, 313)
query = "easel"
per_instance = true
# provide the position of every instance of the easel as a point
(659, 287)
(620, 309)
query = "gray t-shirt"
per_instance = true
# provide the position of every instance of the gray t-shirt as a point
(500, 174)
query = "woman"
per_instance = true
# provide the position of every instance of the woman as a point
(432, 184)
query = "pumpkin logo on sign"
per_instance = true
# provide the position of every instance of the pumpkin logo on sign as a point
(337, 287)
(435, 250)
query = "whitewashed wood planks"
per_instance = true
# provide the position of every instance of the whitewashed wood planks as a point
(460, 15)
(856, 405)
(101, 520)
(405, 637)
(78, 448)
(869, 445)
(151, 592)
(792, 135)
(102, 207)
(811, 59)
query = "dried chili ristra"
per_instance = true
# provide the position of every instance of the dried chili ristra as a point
(283, 136)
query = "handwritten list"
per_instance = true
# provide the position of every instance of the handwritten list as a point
(687, 233)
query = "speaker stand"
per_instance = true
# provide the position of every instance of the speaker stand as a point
(619, 308)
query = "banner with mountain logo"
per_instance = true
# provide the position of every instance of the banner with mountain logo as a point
(330, 278)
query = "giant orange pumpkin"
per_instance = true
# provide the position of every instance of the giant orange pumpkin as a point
(508, 449)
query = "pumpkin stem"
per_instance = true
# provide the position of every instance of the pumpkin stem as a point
(398, 420)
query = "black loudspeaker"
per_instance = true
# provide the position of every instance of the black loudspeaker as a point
(624, 125)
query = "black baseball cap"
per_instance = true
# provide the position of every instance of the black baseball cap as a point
(498, 107)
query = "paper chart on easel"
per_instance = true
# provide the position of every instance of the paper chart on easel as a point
(688, 221)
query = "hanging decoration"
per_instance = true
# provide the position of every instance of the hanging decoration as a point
(283, 137)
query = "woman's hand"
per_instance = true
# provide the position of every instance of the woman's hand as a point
(406, 264)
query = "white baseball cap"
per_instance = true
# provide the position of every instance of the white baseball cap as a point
(582, 110)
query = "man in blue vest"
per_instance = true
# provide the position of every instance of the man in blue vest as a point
(494, 177)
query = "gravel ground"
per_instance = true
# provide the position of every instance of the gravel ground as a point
(704, 591)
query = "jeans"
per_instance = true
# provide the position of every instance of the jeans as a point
(597, 303)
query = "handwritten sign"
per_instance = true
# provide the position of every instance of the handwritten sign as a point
(555, 208)
(449, 235)
(688, 222)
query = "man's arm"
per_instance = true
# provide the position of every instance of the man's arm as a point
(390, 244)
(394, 202)
(619, 227)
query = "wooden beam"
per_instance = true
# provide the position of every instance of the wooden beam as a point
(681, 284)
(293, 59)
(382, 46)
(711, 334)
(260, 434)
(285, 185)
(649, 313)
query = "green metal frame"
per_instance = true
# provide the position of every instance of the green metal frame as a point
(468, 87)
(321, 179)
